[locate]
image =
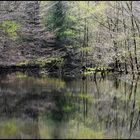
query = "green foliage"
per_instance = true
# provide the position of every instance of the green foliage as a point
(85, 133)
(56, 18)
(21, 75)
(68, 33)
(60, 20)
(92, 9)
(81, 96)
(10, 27)
(85, 49)
(8, 129)
(68, 108)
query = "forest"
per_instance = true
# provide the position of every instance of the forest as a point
(70, 69)
(67, 36)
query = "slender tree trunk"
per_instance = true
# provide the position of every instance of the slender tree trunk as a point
(127, 43)
(130, 7)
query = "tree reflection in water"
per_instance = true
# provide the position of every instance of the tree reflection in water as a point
(103, 107)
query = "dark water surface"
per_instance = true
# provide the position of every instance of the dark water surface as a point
(44, 107)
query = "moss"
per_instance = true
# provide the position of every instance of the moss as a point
(22, 63)
(101, 68)
(91, 69)
(88, 72)
(97, 70)
(42, 61)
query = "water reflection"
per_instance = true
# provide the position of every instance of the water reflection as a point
(43, 107)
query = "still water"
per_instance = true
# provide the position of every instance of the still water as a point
(45, 107)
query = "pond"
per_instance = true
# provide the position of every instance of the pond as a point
(44, 107)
